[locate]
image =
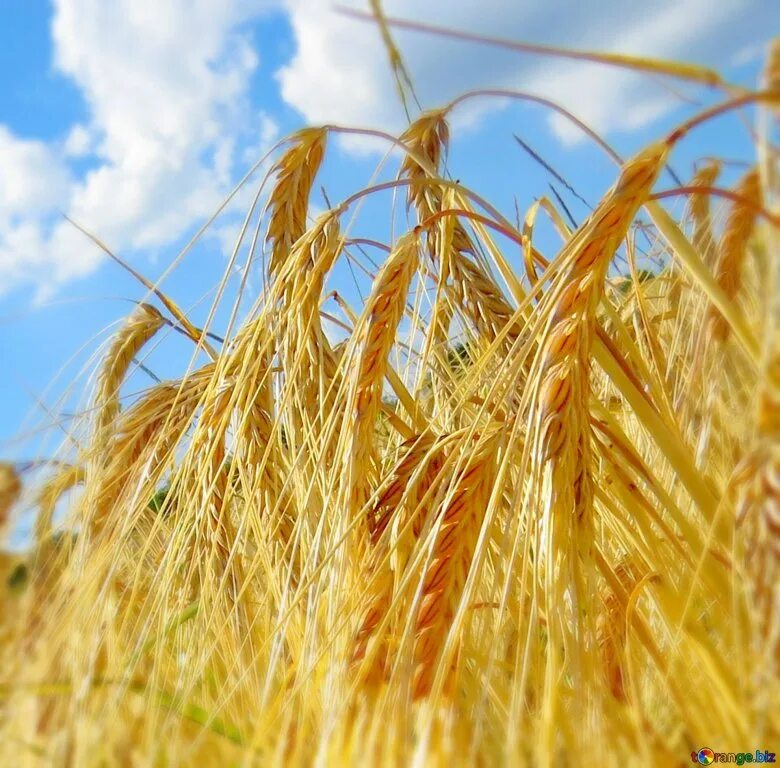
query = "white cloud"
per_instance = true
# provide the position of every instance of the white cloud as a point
(166, 86)
(171, 122)
(31, 176)
(79, 141)
(340, 71)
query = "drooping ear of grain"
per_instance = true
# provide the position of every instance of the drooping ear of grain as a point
(143, 440)
(733, 248)
(771, 75)
(457, 529)
(138, 330)
(560, 426)
(758, 506)
(309, 361)
(612, 631)
(10, 490)
(295, 173)
(481, 300)
(50, 494)
(415, 454)
(759, 513)
(467, 284)
(426, 137)
(384, 311)
(218, 535)
(564, 362)
(703, 240)
(401, 510)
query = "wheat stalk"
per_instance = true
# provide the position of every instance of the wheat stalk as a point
(560, 426)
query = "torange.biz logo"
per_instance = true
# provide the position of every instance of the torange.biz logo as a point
(706, 756)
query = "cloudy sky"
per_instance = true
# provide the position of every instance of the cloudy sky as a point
(136, 117)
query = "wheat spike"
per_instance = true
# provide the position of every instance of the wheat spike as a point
(703, 240)
(221, 536)
(404, 503)
(481, 300)
(611, 630)
(10, 490)
(564, 362)
(733, 247)
(308, 358)
(144, 438)
(295, 172)
(560, 420)
(453, 550)
(427, 137)
(50, 494)
(384, 311)
(139, 329)
(759, 501)
(415, 453)
(771, 75)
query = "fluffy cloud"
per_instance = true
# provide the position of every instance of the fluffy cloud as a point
(166, 85)
(33, 178)
(340, 72)
(171, 121)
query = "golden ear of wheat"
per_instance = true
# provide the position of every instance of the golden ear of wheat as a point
(289, 202)
(10, 490)
(611, 630)
(415, 453)
(771, 75)
(308, 360)
(383, 313)
(139, 329)
(733, 248)
(481, 300)
(471, 288)
(145, 436)
(703, 240)
(758, 509)
(427, 137)
(457, 529)
(404, 494)
(50, 493)
(758, 504)
(563, 367)
(212, 428)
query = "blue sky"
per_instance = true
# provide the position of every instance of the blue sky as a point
(136, 118)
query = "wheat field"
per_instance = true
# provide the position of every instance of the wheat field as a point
(524, 511)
